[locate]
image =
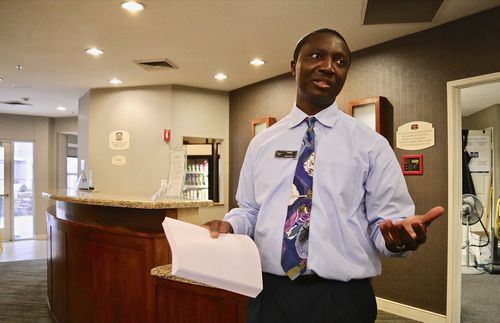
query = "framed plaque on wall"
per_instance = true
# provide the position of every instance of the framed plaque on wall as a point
(260, 124)
(375, 112)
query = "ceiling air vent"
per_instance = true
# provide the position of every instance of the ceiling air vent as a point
(398, 11)
(16, 102)
(160, 64)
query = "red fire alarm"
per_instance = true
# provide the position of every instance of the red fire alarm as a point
(166, 135)
(413, 164)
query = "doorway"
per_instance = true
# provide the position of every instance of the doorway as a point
(454, 288)
(16, 190)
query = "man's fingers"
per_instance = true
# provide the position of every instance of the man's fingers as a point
(218, 226)
(406, 238)
(385, 227)
(214, 229)
(421, 236)
(215, 226)
(391, 235)
(432, 215)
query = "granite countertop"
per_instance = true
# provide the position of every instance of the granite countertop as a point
(102, 199)
(165, 272)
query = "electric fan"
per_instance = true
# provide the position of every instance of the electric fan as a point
(472, 211)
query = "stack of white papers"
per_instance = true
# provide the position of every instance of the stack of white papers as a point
(229, 262)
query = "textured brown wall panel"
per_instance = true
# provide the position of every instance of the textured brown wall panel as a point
(271, 98)
(411, 72)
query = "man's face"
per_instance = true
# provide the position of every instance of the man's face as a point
(320, 71)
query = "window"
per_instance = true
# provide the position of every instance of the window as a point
(71, 172)
(71, 161)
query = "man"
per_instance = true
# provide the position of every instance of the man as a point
(321, 213)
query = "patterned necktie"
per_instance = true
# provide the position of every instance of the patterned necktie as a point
(296, 230)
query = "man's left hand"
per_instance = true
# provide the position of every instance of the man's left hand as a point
(409, 233)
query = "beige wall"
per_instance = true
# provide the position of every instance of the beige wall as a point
(83, 126)
(61, 127)
(144, 112)
(66, 125)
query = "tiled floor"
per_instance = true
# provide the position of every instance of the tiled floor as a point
(24, 250)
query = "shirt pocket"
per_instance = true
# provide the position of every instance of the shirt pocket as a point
(340, 185)
(273, 178)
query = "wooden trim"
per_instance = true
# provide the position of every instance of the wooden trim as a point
(409, 311)
(268, 121)
(376, 100)
(454, 286)
(384, 116)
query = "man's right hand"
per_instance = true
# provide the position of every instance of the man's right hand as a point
(218, 226)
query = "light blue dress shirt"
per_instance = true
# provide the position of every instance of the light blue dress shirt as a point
(357, 184)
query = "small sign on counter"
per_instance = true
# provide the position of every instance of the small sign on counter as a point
(177, 172)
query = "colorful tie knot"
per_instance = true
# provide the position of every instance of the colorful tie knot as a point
(310, 122)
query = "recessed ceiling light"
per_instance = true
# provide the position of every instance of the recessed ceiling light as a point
(19, 67)
(257, 62)
(115, 81)
(132, 6)
(220, 76)
(61, 108)
(94, 51)
(1, 79)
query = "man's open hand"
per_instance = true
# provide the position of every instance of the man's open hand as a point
(409, 233)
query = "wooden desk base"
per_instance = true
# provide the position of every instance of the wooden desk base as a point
(99, 262)
(178, 302)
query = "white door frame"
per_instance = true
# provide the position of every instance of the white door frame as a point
(454, 282)
(8, 231)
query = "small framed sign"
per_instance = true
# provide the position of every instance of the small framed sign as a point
(119, 140)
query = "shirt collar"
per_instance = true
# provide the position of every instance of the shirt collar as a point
(327, 117)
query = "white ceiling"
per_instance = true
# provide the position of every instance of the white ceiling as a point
(479, 97)
(201, 37)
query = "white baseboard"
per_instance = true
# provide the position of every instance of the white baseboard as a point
(40, 237)
(409, 311)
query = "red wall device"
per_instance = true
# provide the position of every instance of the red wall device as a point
(413, 164)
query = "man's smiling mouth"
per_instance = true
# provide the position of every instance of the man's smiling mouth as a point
(322, 84)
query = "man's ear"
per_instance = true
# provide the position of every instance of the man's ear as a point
(293, 64)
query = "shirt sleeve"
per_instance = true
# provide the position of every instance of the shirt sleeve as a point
(244, 217)
(386, 196)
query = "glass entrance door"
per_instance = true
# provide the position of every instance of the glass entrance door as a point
(16, 190)
(22, 190)
(5, 192)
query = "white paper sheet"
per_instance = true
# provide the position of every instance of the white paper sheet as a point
(230, 262)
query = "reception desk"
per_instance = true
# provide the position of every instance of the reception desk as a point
(101, 249)
(180, 300)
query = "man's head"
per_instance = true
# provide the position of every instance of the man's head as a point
(320, 63)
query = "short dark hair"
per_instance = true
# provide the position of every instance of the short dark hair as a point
(306, 38)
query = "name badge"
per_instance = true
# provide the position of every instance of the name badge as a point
(285, 154)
